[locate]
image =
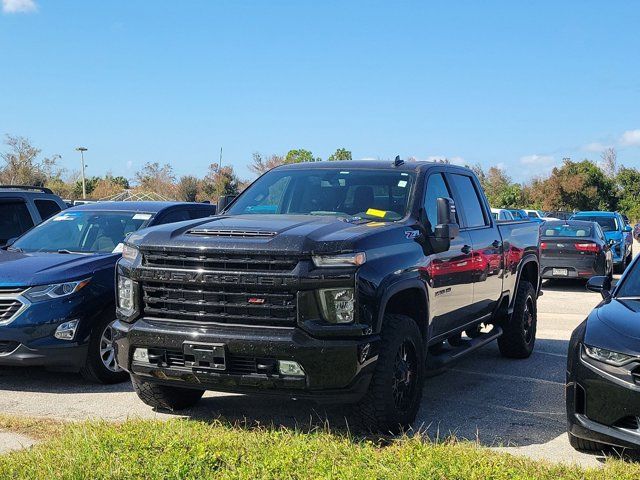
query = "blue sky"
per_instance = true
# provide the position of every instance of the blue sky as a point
(520, 84)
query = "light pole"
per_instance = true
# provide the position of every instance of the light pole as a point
(84, 187)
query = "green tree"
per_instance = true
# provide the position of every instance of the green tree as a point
(299, 156)
(340, 154)
(90, 186)
(188, 188)
(261, 164)
(23, 165)
(574, 186)
(628, 180)
(220, 181)
(156, 178)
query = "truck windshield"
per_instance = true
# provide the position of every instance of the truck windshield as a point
(375, 194)
(82, 231)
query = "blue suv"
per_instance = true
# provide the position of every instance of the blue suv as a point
(57, 285)
(616, 232)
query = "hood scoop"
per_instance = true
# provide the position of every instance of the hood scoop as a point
(217, 232)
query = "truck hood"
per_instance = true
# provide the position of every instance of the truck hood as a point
(19, 269)
(269, 233)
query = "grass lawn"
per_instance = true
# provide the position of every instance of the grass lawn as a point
(197, 450)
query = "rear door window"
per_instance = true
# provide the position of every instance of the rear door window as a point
(470, 201)
(15, 219)
(47, 208)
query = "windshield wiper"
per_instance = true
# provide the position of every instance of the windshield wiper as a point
(64, 250)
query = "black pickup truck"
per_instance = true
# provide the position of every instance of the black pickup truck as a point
(342, 282)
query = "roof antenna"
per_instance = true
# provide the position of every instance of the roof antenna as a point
(398, 161)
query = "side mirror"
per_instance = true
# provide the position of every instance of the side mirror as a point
(224, 201)
(600, 284)
(627, 229)
(447, 229)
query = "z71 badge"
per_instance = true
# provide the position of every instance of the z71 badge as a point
(412, 234)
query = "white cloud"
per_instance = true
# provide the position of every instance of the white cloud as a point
(630, 138)
(533, 166)
(19, 6)
(537, 160)
(129, 165)
(595, 147)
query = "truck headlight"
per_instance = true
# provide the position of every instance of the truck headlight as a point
(337, 304)
(343, 260)
(126, 299)
(607, 356)
(129, 252)
(56, 290)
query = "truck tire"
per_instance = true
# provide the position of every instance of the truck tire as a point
(162, 397)
(519, 332)
(392, 401)
(100, 365)
(585, 445)
(622, 266)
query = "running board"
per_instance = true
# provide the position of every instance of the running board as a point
(438, 361)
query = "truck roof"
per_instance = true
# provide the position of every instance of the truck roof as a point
(413, 166)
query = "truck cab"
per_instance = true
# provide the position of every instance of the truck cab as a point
(337, 281)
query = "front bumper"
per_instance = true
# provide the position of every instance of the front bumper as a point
(71, 356)
(601, 407)
(28, 338)
(336, 370)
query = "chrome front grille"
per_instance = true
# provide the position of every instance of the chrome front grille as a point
(9, 307)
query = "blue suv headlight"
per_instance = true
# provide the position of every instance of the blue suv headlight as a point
(56, 290)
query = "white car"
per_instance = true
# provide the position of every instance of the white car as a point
(539, 215)
(501, 214)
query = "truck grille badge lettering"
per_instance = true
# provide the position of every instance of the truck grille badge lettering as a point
(215, 278)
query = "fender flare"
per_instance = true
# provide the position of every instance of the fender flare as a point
(397, 287)
(528, 258)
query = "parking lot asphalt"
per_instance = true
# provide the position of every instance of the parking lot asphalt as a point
(512, 405)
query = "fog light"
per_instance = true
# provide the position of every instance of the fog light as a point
(291, 368)
(141, 355)
(67, 330)
(337, 304)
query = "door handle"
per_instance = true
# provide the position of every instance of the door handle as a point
(466, 249)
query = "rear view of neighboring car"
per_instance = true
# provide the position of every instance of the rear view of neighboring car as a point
(57, 298)
(502, 215)
(636, 232)
(616, 232)
(538, 216)
(559, 214)
(519, 214)
(603, 368)
(574, 249)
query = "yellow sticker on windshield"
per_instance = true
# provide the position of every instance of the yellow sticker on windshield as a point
(376, 213)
